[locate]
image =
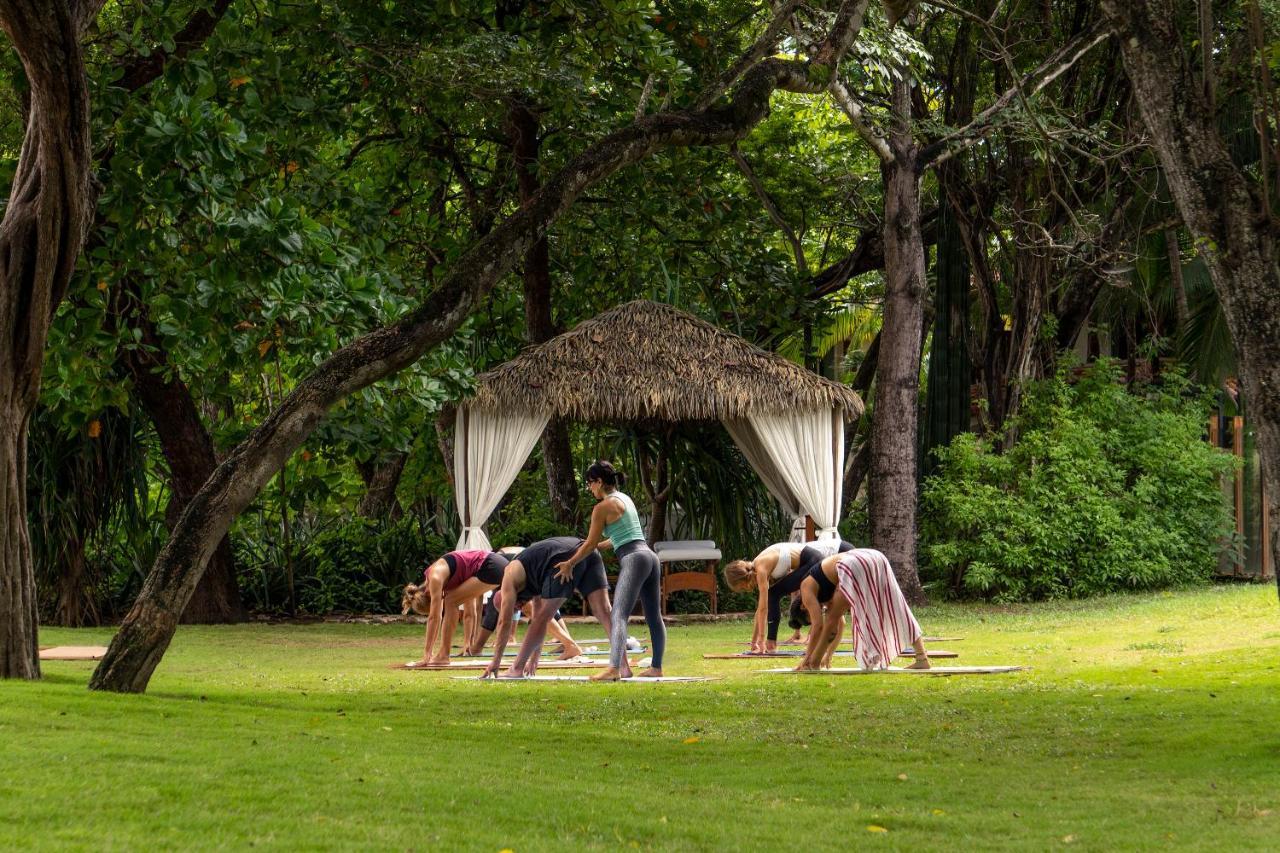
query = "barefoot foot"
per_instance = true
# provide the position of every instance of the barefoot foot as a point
(608, 674)
(922, 662)
(569, 652)
(651, 672)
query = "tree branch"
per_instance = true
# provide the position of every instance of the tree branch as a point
(1030, 84)
(771, 208)
(141, 70)
(763, 47)
(853, 111)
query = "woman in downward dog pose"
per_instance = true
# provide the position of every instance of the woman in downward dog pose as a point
(640, 575)
(777, 571)
(883, 624)
(458, 577)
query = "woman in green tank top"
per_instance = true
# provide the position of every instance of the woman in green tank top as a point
(639, 575)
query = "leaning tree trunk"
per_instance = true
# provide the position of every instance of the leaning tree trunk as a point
(557, 456)
(41, 235)
(895, 425)
(188, 451)
(146, 632)
(1229, 217)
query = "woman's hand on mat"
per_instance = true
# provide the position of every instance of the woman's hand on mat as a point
(564, 570)
(490, 670)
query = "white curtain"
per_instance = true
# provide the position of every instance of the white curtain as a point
(802, 464)
(489, 449)
(749, 442)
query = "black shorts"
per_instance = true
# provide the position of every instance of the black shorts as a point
(826, 589)
(492, 568)
(588, 577)
(490, 571)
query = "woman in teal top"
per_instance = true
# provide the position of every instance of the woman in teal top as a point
(640, 575)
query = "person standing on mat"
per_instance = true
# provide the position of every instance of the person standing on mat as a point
(533, 574)
(775, 572)
(639, 575)
(455, 578)
(883, 624)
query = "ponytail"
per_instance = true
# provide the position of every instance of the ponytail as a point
(604, 471)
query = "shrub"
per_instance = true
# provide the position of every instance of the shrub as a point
(1105, 490)
(347, 564)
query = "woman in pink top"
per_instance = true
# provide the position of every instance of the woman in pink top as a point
(458, 577)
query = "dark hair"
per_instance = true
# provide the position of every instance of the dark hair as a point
(798, 617)
(603, 470)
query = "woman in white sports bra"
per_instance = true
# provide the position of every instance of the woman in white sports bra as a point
(776, 571)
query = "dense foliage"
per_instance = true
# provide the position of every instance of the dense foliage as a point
(1107, 489)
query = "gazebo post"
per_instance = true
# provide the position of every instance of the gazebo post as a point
(809, 534)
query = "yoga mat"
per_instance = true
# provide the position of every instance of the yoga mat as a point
(73, 653)
(846, 642)
(512, 656)
(937, 670)
(906, 653)
(637, 680)
(459, 664)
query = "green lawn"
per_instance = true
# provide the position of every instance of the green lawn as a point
(1146, 721)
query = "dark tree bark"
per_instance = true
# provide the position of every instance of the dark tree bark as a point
(381, 478)
(188, 452)
(895, 423)
(139, 645)
(557, 457)
(41, 235)
(950, 373)
(1220, 204)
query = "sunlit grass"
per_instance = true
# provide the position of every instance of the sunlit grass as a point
(1145, 721)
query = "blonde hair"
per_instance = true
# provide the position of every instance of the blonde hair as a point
(740, 575)
(415, 598)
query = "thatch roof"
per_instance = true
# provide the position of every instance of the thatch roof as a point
(643, 361)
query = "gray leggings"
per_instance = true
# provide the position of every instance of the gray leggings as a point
(640, 576)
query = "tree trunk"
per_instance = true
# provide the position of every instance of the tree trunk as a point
(381, 478)
(19, 654)
(74, 607)
(1221, 205)
(146, 632)
(895, 426)
(188, 451)
(950, 374)
(557, 456)
(41, 235)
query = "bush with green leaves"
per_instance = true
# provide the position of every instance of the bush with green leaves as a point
(1105, 489)
(342, 564)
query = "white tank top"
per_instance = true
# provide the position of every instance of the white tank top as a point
(784, 550)
(825, 547)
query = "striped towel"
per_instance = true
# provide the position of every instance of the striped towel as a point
(882, 622)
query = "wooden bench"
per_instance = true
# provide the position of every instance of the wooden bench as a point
(702, 551)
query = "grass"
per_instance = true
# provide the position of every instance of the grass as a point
(1147, 721)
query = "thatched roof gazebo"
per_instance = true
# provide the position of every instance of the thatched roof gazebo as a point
(645, 361)
(652, 363)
